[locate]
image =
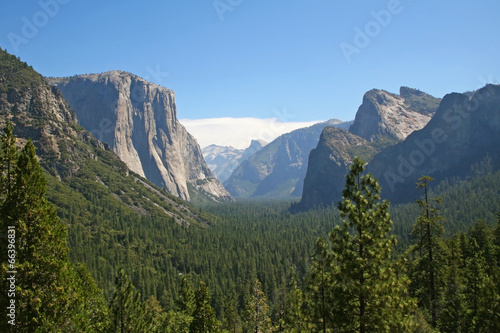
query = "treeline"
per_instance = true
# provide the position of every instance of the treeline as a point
(259, 274)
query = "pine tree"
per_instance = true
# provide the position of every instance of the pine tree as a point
(129, 315)
(44, 295)
(427, 232)
(92, 313)
(293, 318)
(186, 301)
(257, 311)
(370, 291)
(454, 305)
(204, 319)
(319, 288)
(8, 161)
(480, 293)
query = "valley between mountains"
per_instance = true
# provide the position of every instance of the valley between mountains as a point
(124, 223)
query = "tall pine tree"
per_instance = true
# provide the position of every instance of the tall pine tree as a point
(427, 232)
(257, 311)
(370, 291)
(44, 294)
(204, 319)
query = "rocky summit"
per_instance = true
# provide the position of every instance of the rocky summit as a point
(138, 119)
(383, 114)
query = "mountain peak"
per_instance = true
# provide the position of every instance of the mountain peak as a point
(386, 115)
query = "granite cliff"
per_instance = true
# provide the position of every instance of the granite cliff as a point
(461, 139)
(391, 116)
(329, 163)
(83, 174)
(138, 119)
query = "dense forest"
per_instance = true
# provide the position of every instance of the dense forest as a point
(431, 266)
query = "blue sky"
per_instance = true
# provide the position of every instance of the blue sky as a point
(241, 58)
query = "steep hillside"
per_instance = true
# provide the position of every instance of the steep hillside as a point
(222, 161)
(279, 169)
(138, 120)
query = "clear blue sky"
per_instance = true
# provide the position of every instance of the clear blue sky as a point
(251, 58)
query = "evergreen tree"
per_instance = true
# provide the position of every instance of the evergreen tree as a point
(186, 301)
(204, 319)
(454, 305)
(176, 322)
(44, 294)
(231, 320)
(319, 288)
(480, 293)
(427, 232)
(370, 292)
(293, 318)
(257, 311)
(129, 315)
(92, 313)
(8, 161)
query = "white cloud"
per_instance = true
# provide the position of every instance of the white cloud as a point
(238, 132)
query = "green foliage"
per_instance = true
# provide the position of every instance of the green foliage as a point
(319, 294)
(48, 294)
(427, 232)
(370, 290)
(256, 313)
(204, 319)
(129, 314)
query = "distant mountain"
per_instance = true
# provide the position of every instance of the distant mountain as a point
(382, 120)
(222, 161)
(386, 115)
(138, 119)
(462, 138)
(278, 170)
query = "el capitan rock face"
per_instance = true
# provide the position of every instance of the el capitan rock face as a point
(138, 119)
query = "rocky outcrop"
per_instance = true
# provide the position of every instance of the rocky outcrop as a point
(463, 132)
(278, 170)
(328, 164)
(383, 115)
(138, 120)
(222, 161)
